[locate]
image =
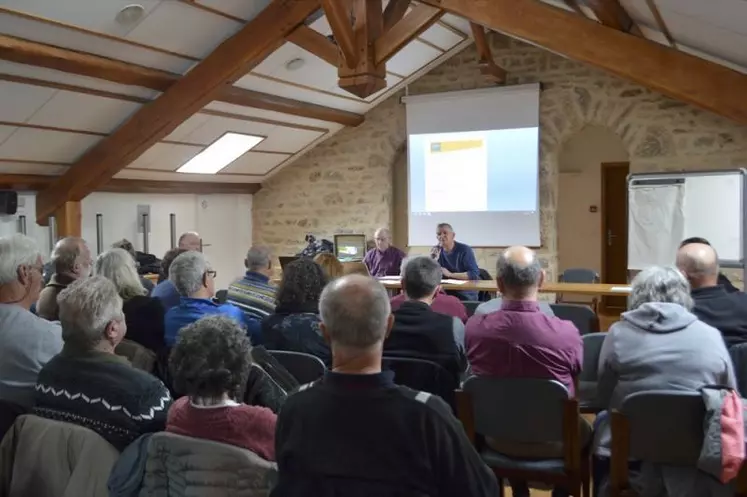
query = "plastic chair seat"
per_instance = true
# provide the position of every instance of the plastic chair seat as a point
(497, 460)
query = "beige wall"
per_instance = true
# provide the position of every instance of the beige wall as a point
(346, 184)
(579, 230)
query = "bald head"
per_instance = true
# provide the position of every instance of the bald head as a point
(355, 312)
(72, 257)
(519, 273)
(383, 239)
(189, 241)
(699, 263)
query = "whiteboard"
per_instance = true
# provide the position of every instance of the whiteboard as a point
(664, 209)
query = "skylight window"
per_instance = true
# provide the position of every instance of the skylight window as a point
(220, 153)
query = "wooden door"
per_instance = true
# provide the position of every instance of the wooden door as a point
(614, 231)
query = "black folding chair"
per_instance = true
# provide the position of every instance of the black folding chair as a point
(587, 380)
(582, 316)
(304, 367)
(423, 375)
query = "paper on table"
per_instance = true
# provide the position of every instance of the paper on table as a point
(389, 278)
(454, 282)
(620, 289)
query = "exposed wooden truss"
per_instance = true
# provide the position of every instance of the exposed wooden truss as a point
(403, 31)
(314, 42)
(613, 15)
(36, 182)
(340, 21)
(228, 62)
(575, 6)
(394, 11)
(488, 67)
(95, 66)
(660, 22)
(364, 76)
(679, 75)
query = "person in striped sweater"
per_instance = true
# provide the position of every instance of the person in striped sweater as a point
(254, 294)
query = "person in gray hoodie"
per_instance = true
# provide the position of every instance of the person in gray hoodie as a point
(658, 345)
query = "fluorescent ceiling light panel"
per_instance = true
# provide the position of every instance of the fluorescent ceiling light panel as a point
(220, 153)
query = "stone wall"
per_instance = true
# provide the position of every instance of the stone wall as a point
(344, 185)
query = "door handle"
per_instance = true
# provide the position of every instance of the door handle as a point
(610, 236)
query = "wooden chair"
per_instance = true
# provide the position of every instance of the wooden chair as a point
(660, 427)
(529, 411)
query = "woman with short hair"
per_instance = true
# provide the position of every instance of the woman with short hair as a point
(210, 364)
(295, 324)
(144, 315)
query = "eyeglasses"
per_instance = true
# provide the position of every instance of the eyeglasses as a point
(212, 273)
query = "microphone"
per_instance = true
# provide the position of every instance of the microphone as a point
(436, 252)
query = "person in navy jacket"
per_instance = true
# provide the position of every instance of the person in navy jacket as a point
(457, 259)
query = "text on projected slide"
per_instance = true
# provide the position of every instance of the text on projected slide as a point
(452, 168)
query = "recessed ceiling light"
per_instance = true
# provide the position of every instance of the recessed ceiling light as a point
(130, 14)
(295, 64)
(220, 153)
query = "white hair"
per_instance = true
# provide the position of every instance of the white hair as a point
(660, 284)
(355, 310)
(118, 266)
(87, 306)
(187, 272)
(258, 258)
(16, 251)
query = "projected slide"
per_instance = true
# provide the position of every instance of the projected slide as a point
(453, 163)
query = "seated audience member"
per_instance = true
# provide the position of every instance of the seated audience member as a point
(354, 432)
(727, 312)
(330, 264)
(457, 260)
(658, 344)
(722, 279)
(418, 330)
(87, 384)
(495, 304)
(254, 294)
(520, 341)
(210, 363)
(295, 324)
(127, 246)
(143, 315)
(165, 289)
(385, 259)
(72, 261)
(442, 302)
(190, 241)
(27, 342)
(194, 279)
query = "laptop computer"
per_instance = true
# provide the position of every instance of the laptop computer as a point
(287, 259)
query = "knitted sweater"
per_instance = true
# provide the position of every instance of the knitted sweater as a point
(250, 427)
(102, 392)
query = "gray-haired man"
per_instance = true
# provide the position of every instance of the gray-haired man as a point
(253, 293)
(355, 432)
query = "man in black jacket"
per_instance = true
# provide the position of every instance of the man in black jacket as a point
(355, 433)
(722, 279)
(420, 332)
(714, 305)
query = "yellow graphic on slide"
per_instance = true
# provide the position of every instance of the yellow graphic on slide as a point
(455, 146)
(456, 172)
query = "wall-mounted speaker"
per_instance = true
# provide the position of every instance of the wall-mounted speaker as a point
(8, 202)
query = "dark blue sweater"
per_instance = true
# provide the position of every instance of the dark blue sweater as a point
(461, 259)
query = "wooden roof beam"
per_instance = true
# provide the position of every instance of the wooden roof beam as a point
(394, 12)
(151, 123)
(316, 43)
(339, 18)
(613, 15)
(487, 64)
(36, 182)
(366, 76)
(573, 4)
(95, 66)
(681, 76)
(403, 32)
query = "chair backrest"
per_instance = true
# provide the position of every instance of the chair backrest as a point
(485, 276)
(592, 348)
(304, 367)
(139, 356)
(739, 358)
(665, 427)
(471, 305)
(9, 411)
(579, 275)
(582, 316)
(221, 296)
(202, 467)
(517, 409)
(423, 375)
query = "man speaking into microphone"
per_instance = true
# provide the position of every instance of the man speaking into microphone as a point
(457, 260)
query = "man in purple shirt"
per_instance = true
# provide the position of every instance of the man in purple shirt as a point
(519, 341)
(385, 259)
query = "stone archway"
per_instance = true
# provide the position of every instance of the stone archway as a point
(579, 232)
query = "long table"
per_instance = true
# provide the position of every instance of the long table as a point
(595, 289)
